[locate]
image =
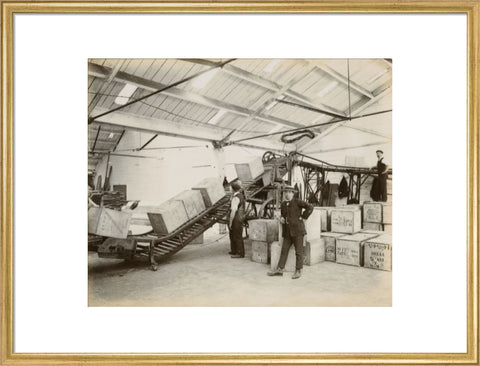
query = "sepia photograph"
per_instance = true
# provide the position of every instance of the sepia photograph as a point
(240, 182)
(239, 185)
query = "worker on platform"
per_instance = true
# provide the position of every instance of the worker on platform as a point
(236, 219)
(382, 171)
(293, 213)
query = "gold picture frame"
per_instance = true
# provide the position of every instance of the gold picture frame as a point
(472, 11)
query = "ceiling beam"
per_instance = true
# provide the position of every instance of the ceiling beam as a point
(271, 100)
(366, 130)
(321, 66)
(97, 71)
(168, 128)
(355, 112)
(109, 79)
(154, 125)
(270, 85)
(376, 143)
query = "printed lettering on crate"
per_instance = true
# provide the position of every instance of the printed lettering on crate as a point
(346, 220)
(378, 253)
(331, 245)
(350, 248)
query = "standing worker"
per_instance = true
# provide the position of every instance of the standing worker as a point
(235, 221)
(382, 171)
(293, 227)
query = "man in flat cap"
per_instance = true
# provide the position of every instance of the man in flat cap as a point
(235, 221)
(293, 213)
(382, 171)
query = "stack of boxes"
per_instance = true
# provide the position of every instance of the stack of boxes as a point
(170, 215)
(348, 244)
(377, 216)
(262, 232)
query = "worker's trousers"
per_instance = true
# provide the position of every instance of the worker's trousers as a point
(382, 187)
(287, 243)
(236, 239)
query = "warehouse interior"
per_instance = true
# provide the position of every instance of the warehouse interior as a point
(164, 129)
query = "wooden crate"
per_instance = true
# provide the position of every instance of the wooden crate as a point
(373, 212)
(372, 226)
(275, 250)
(249, 170)
(346, 220)
(314, 252)
(263, 230)
(377, 212)
(331, 245)
(368, 231)
(387, 213)
(350, 248)
(230, 172)
(387, 228)
(168, 217)
(193, 202)
(378, 253)
(117, 248)
(261, 251)
(106, 222)
(325, 217)
(314, 224)
(211, 189)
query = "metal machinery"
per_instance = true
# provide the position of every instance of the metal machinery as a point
(263, 196)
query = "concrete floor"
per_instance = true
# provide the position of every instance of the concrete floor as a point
(205, 275)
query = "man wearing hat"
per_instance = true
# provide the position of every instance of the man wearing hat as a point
(235, 224)
(382, 171)
(294, 212)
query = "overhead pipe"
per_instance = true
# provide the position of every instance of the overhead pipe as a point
(307, 127)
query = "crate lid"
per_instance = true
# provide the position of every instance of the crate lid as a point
(378, 232)
(376, 203)
(359, 237)
(333, 235)
(382, 239)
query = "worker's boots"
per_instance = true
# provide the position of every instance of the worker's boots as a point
(276, 272)
(297, 274)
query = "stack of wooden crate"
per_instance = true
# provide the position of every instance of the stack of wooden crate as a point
(377, 216)
(350, 248)
(378, 252)
(170, 215)
(262, 232)
(347, 220)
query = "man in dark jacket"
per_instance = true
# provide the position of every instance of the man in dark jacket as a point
(293, 227)
(382, 171)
